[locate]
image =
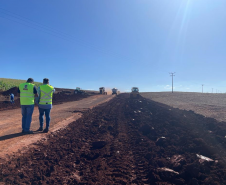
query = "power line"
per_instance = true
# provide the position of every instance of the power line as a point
(36, 24)
(172, 74)
(52, 31)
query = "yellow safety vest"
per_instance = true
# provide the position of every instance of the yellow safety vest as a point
(26, 93)
(46, 94)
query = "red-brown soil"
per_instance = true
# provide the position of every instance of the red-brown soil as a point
(11, 138)
(61, 96)
(126, 141)
(13, 90)
(211, 105)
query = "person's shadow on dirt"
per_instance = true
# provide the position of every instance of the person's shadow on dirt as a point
(10, 136)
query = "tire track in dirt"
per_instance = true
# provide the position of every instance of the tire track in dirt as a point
(117, 169)
(121, 169)
(11, 138)
(126, 141)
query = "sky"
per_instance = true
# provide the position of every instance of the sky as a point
(90, 44)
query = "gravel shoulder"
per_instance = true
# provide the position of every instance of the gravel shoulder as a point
(206, 104)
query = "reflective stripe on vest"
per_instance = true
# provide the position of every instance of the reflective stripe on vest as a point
(26, 94)
(46, 94)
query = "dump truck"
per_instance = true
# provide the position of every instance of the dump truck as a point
(79, 91)
(134, 92)
(102, 90)
(114, 91)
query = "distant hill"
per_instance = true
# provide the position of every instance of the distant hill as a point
(7, 83)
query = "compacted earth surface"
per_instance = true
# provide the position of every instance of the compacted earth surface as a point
(126, 141)
(11, 138)
(208, 104)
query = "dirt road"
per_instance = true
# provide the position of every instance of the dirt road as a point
(127, 141)
(11, 138)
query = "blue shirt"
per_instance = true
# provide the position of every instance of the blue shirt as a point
(11, 96)
(46, 106)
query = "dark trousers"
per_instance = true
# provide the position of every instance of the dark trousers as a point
(41, 117)
(27, 111)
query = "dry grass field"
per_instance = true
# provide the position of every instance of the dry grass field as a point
(207, 104)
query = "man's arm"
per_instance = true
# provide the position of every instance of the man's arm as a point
(35, 91)
(37, 99)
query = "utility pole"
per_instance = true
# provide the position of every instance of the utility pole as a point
(212, 90)
(202, 88)
(172, 74)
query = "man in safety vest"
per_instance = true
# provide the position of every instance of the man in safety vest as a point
(45, 93)
(27, 91)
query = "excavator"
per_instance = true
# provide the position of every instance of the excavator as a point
(134, 92)
(102, 90)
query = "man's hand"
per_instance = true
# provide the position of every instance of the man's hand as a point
(37, 100)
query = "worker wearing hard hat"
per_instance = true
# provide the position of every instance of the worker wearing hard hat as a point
(27, 91)
(45, 93)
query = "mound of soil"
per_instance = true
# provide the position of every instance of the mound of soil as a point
(127, 141)
(6, 105)
(13, 90)
(61, 96)
(58, 98)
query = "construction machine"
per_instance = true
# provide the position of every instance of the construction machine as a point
(102, 90)
(114, 91)
(134, 92)
(79, 91)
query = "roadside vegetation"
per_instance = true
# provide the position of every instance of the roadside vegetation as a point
(6, 83)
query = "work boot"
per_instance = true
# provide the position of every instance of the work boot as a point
(29, 132)
(46, 130)
(40, 129)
